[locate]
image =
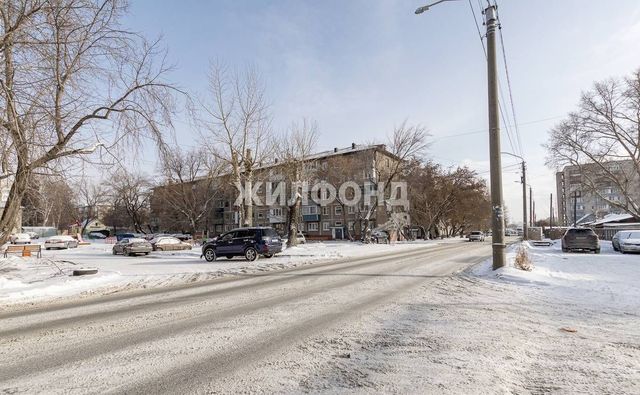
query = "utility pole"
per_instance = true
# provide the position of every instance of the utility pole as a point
(523, 180)
(551, 211)
(497, 209)
(575, 208)
(497, 220)
(525, 228)
(531, 221)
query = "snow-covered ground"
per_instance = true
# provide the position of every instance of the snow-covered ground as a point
(571, 325)
(606, 280)
(24, 280)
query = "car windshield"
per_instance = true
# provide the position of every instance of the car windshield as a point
(271, 232)
(137, 240)
(476, 233)
(580, 232)
(633, 235)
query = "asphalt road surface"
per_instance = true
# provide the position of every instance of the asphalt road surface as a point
(191, 339)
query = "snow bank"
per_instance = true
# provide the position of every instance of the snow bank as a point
(598, 280)
(32, 279)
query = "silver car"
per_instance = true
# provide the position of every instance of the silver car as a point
(629, 241)
(623, 234)
(132, 246)
(60, 242)
(476, 235)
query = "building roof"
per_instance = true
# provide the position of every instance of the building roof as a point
(613, 218)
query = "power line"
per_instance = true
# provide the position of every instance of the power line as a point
(484, 50)
(506, 69)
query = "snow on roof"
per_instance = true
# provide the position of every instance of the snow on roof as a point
(613, 218)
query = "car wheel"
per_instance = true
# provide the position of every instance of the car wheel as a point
(268, 255)
(229, 256)
(146, 253)
(209, 255)
(251, 254)
(159, 249)
(114, 252)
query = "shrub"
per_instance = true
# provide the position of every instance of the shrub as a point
(523, 260)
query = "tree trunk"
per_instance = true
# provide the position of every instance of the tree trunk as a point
(13, 204)
(292, 221)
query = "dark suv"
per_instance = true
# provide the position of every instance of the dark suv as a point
(580, 239)
(247, 242)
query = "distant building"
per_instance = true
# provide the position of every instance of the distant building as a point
(571, 187)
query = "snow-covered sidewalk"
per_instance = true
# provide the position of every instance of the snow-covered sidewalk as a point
(25, 280)
(571, 325)
(608, 280)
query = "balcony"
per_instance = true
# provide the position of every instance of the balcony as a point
(310, 217)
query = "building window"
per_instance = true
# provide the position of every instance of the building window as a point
(351, 209)
(325, 210)
(309, 210)
(276, 212)
(312, 226)
(338, 210)
(338, 223)
(260, 214)
(325, 226)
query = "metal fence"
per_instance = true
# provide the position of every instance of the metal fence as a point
(607, 233)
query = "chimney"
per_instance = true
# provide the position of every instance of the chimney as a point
(353, 145)
(335, 149)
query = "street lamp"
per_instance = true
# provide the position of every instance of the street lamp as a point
(424, 8)
(497, 210)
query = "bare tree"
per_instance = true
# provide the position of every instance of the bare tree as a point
(191, 182)
(91, 198)
(131, 192)
(604, 128)
(239, 122)
(294, 149)
(49, 201)
(73, 80)
(407, 143)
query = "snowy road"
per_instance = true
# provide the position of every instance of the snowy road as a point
(209, 336)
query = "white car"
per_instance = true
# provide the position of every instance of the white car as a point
(20, 238)
(60, 242)
(476, 235)
(630, 243)
(301, 238)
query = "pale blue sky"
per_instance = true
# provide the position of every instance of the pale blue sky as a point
(360, 67)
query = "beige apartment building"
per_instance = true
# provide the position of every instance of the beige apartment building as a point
(362, 166)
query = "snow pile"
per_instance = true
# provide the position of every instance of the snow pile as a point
(32, 279)
(608, 279)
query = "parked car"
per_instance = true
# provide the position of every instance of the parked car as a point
(96, 235)
(301, 238)
(476, 235)
(623, 234)
(33, 235)
(380, 237)
(580, 239)
(628, 241)
(20, 238)
(247, 242)
(120, 236)
(132, 246)
(60, 242)
(169, 243)
(182, 237)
